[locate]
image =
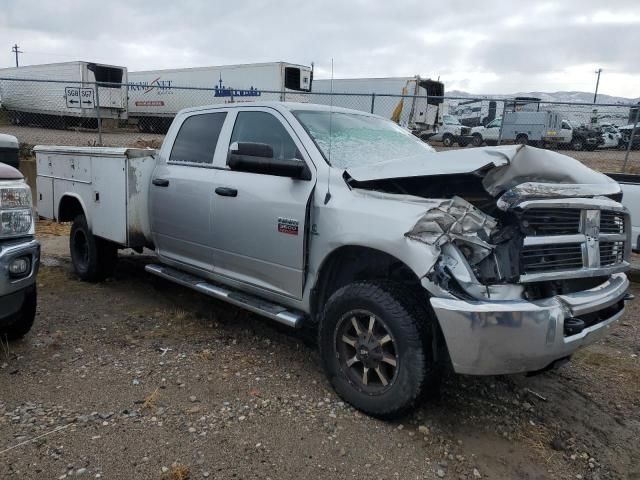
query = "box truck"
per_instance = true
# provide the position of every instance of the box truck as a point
(64, 94)
(155, 96)
(384, 96)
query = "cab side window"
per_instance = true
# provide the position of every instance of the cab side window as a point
(262, 127)
(196, 141)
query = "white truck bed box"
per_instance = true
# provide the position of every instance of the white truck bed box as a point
(112, 185)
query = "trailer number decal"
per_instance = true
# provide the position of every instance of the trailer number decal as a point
(77, 97)
(288, 226)
(149, 103)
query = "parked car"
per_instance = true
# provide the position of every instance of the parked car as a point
(451, 131)
(490, 261)
(19, 252)
(630, 184)
(611, 136)
(488, 134)
(626, 133)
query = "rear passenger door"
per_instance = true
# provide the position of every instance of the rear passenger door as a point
(259, 230)
(181, 192)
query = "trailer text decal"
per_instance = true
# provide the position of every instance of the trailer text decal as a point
(222, 91)
(161, 86)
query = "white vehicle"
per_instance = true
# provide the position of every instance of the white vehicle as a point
(488, 134)
(451, 131)
(611, 136)
(630, 185)
(418, 113)
(60, 104)
(154, 99)
(475, 113)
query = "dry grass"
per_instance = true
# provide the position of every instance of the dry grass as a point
(205, 355)
(151, 399)
(179, 472)
(48, 227)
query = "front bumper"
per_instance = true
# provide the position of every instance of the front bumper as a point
(503, 337)
(14, 249)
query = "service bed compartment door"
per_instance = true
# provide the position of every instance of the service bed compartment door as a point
(44, 201)
(259, 233)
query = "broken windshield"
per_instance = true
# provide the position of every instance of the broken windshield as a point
(351, 140)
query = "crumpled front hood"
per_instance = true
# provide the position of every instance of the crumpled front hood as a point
(503, 169)
(437, 163)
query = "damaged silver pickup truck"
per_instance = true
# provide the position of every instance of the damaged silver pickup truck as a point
(491, 261)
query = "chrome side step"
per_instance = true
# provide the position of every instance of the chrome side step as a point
(253, 304)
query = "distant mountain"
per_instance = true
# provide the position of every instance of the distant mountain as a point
(579, 97)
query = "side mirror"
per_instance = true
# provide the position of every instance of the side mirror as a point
(258, 158)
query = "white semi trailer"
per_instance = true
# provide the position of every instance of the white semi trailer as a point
(383, 96)
(64, 94)
(155, 96)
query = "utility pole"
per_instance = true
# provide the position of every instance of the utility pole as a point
(16, 51)
(595, 95)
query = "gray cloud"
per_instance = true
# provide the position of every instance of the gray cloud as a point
(489, 46)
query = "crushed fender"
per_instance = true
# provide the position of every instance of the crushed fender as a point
(451, 220)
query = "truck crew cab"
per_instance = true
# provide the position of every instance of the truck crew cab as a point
(490, 261)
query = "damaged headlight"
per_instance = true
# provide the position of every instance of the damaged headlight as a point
(16, 212)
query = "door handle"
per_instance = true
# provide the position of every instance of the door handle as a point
(160, 182)
(227, 192)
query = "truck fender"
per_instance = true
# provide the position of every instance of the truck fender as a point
(71, 205)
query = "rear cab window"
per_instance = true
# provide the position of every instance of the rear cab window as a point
(197, 138)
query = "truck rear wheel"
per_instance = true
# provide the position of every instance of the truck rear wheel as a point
(93, 258)
(477, 140)
(522, 139)
(21, 323)
(376, 344)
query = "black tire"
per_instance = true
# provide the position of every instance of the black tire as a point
(492, 143)
(522, 140)
(477, 140)
(447, 140)
(93, 258)
(577, 144)
(22, 322)
(404, 322)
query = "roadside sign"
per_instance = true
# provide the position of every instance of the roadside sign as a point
(79, 97)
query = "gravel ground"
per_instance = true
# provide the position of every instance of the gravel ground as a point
(604, 160)
(139, 378)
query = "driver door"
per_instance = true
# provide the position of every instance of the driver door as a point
(259, 220)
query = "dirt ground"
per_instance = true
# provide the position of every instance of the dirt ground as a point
(137, 378)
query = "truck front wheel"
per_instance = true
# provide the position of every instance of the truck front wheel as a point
(477, 140)
(376, 344)
(93, 258)
(447, 140)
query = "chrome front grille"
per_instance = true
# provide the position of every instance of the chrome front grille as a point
(611, 222)
(552, 257)
(611, 253)
(572, 239)
(551, 221)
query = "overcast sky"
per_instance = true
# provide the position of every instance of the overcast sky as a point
(482, 46)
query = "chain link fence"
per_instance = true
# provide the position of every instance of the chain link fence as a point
(60, 112)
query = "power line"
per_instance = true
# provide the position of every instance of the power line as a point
(16, 51)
